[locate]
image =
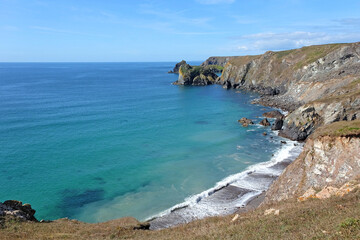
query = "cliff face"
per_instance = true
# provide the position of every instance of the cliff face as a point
(331, 157)
(220, 61)
(318, 84)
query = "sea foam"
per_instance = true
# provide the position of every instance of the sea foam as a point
(253, 180)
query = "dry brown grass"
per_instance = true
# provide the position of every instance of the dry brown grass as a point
(338, 129)
(334, 218)
(242, 60)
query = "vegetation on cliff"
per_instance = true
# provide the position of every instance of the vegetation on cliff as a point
(339, 129)
(333, 218)
(197, 75)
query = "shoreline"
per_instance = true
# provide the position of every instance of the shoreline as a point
(236, 193)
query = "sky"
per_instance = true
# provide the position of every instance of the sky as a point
(164, 30)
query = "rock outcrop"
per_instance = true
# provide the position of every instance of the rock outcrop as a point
(273, 114)
(245, 122)
(330, 158)
(278, 124)
(196, 75)
(177, 66)
(265, 122)
(13, 208)
(328, 192)
(317, 84)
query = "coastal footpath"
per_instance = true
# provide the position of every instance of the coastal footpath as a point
(316, 197)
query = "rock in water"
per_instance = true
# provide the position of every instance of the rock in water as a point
(265, 122)
(196, 75)
(177, 66)
(245, 122)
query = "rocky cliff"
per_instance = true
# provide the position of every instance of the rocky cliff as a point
(177, 66)
(220, 61)
(330, 158)
(317, 84)
(196, 75)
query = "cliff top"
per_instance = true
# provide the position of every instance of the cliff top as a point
(338, 129)
(300, 57)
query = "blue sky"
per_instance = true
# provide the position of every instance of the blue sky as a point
(159, 30)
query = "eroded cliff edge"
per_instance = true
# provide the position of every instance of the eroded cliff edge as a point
(330, 158)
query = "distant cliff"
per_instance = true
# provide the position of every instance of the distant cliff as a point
(220, 61)
(318, 84)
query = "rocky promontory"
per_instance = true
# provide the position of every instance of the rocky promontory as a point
(196, 75)
(177, 66)
(317, 84)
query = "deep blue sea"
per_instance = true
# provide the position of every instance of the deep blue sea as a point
(99, 141)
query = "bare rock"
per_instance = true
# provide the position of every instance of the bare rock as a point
(18, 210)
(245, 122)
(278, 124)
(177, 66)
(273, 114)
(265, 122)
(326, 161)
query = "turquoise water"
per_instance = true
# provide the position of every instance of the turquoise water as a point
(98, 141)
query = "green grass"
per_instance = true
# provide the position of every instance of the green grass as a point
(283, 54)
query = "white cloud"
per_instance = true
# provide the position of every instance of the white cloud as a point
(257, 43)
(211, 2)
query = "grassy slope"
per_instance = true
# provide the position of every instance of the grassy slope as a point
(302, 56)
(335, 218)
(339, 129)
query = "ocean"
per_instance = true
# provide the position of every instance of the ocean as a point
(100, 141)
